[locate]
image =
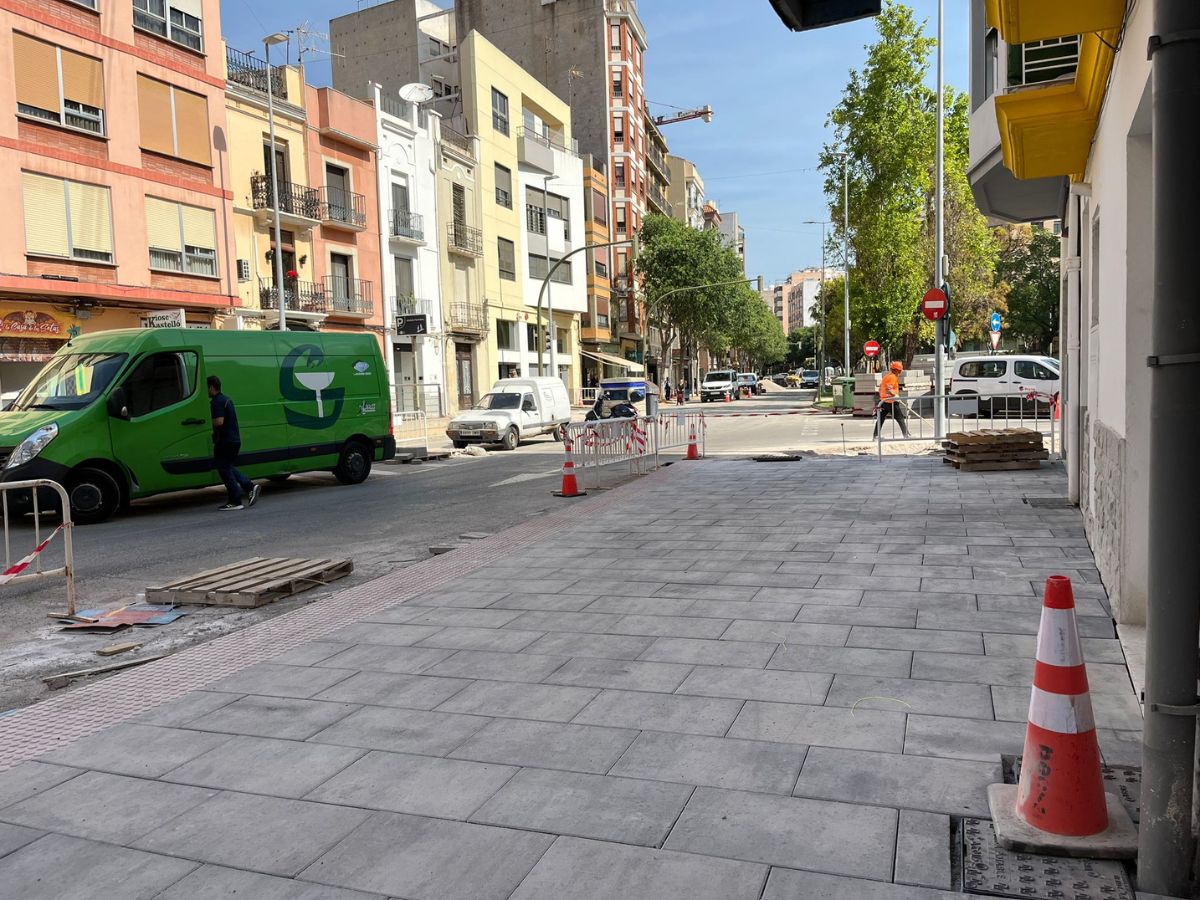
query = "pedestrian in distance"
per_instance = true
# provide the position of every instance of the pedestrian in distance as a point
(667, 388)
(890, 403)
(227, 443)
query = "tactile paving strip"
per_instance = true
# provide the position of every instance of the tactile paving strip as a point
(991, 870)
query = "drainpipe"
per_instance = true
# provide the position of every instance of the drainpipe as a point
(1071, 323)
(1173, 595)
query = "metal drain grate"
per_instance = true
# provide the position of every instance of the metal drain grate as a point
(1124, 781)
(991, 870)
(1050, 502)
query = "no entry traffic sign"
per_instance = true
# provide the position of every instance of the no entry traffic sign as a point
(871, 349)
(934, 304)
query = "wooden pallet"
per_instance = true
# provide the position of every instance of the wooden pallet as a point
(251, 582)
(994, 450)
(997, 455)
(993, 437)
(994, 466)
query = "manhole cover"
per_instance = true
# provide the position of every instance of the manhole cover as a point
(990, 869)
(1124, 781)
(778, 457)
(1050, 502)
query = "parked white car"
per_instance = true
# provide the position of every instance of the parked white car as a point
(513, 410)
(717, 384)
(992, 376)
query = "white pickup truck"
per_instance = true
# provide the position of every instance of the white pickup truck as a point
(514, 409)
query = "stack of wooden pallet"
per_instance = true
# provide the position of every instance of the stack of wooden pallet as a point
(997, 450)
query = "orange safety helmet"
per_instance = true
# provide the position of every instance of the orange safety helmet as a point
(897, 366)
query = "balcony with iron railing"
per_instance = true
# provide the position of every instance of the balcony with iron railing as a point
(405, 225)
(537, 149)
(348, 296)
(1039, 63)
(463, 315)
(300, 296)
(408, 305)
(458, 141)
(658, 161)
(657, 199)
(246, 70)
(298, 203)
(341, 208)
(464, 239)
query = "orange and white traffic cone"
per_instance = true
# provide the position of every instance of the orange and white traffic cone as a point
(570, 487)
(728, 396)
(1060, 805)
(693, 450)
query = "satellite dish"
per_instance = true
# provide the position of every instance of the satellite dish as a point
(416, 93)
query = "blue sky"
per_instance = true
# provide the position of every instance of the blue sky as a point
(770, 90)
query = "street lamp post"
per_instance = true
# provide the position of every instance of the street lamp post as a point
(846, 259)
(821, 343)
(281, 298)
(549, 299)
(939, 353)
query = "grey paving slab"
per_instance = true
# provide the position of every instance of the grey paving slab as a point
(273, 680)
(310, 654)
(391, 689)
(592, 870)
(757, 684)
(1102, 677)
(621, 674)
(789, 633)
(211, 882)
(951, 738)
(1005, 622)
(916, 639)
(402, 730)
(503, 640)
(713, 653)
(1101, 650)
(856, 615)
(649, 606)
(590, 806)
(919, 600)
(470, 595)
(384, 658)
(133, 749)
(1084, 606)
(823, 596)
(1117, 711)
(670, 626)
(603, 646)
(31, 778)
(950, 786)
(403, 615)
(760, 610)
(458, 617)
(186, 709)
(839, 838)
(421, 785)
(923, 850)
(547, 745)
(441, 860)
(37, 871)
(660, 712)
(790, 884)
(869, 582)
(1120, 748)
(497, 666)
(970, 701)
(571, 602)
(378, 633)
(542, 620)
(14, 837)
(294, 769)
(714, 761)
(278, 717)
(103, 807)
(545, 702)
(834, 660)
(777, 579)
(262, 834)
(826, 726)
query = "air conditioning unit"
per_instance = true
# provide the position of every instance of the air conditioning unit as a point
(801, 15)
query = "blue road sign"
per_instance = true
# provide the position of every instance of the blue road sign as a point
(996, 322)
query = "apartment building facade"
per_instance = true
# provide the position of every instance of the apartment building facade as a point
(1093, 169)
(112, 151)
(685, 194)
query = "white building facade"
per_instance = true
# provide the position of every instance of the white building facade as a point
(410, 257)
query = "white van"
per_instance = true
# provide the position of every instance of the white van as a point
(991, 376)
(514, 409)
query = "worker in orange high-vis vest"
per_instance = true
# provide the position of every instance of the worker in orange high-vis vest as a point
(890, 403)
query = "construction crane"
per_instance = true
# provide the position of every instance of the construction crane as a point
(704, 112)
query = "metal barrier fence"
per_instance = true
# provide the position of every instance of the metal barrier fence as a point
(634, 442)
(970, 412)
(19, 571)
(678, 429)
(411, 428)
(426, 398)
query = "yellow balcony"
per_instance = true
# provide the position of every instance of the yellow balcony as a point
(1046, 128)
(1021, 21)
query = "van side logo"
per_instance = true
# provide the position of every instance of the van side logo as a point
(316, 386)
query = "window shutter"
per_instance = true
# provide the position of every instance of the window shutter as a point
(91, 218)
(191, 126)
(162, 224)
(191, 7)
(45, 215)
(199, 227)
(83, 79)
(36, 66)
(154, 114)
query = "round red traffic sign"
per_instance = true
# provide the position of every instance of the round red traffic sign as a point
(934, 304)
(871, 349)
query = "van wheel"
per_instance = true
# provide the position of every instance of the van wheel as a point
(557, 434)
(459, 445)
(94, 495)
(354, 465)
(510, 440)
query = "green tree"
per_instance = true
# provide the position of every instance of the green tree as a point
(1029, 270)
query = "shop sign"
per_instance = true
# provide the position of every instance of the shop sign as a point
(30, 323)
(166, 318)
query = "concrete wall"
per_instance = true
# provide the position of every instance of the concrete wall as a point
(375, 44)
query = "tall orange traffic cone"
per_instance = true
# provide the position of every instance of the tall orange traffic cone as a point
(693, 451)
(729, 396)
(1060, 805)
(570, 488)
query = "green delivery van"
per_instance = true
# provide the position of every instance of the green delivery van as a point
(119, 415)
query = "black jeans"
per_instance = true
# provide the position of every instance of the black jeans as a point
(896, 410)
(225, 456)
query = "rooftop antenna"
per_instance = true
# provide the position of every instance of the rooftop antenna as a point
(309, 41)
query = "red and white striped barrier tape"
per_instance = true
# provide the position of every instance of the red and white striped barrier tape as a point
(21, 565)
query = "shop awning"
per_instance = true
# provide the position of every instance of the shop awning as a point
(629, 365)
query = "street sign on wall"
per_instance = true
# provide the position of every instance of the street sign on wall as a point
(871, 349)
(934, 304)
(165, 318)
(413, 324)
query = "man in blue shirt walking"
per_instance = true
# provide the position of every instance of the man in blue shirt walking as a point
(227, 442)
